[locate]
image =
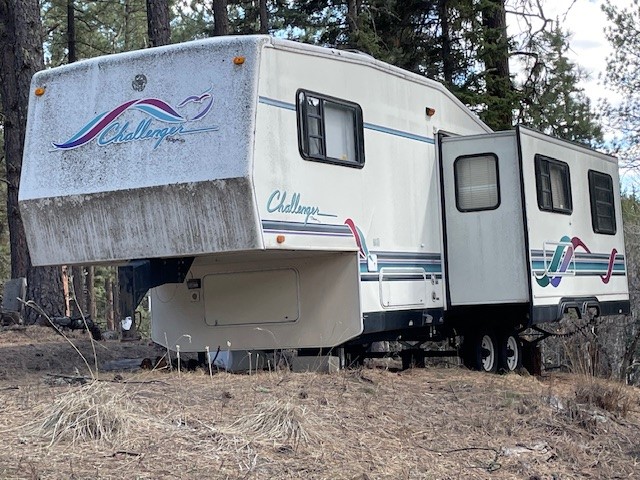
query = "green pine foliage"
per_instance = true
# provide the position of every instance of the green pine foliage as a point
(623, 78)
(192, 20)
(102, 27)
(551, 99)
(195, 20)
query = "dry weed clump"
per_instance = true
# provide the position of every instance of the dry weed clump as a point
(96, 411)
(277, 421)
(604, 394)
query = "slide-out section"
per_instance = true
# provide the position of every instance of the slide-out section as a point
(485, 238)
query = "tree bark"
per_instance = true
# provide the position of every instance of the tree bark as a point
(158, 22)
(44, 287)
(220, 17)
(78, 302)
(71, 32)
(447, 58)
(117, 316)
(91, 294)
(21, 57)
(264, 17)
(66, 272)
(352, 16)
(108, 287)
(496, 60)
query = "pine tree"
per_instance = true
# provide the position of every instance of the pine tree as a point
(100, 28)
(21, 57)
(623, 78)
(158, 22)
(551, 99)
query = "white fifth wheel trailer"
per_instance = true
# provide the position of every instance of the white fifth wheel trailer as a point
(279, 195)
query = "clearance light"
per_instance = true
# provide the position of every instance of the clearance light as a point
(430, 111)
(238, 60)
(39, 91)
(280, 239)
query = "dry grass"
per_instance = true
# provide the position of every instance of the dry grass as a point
(95, 411)
(279, 422)
(435, 423)
(607, 395)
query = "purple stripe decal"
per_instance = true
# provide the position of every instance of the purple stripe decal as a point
(96, 129)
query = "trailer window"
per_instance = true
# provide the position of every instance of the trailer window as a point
(476, 182)
(553, 185)
(603, 212)
(330, 130)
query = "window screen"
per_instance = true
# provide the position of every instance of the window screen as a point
(603, 212)
(553, 185)
(330, 130)
(476, 180)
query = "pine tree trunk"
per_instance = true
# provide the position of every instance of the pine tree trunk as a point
(44, 287)
(496, 60)
(264, 17)
(91, 294)
(117, 316)
(108, 287)
(447, 58)
(127, 25)
(78, 301)
(352, 18)
(158, 22)
(71, 32)
(66, 272)
(21, 57)
(220, 17)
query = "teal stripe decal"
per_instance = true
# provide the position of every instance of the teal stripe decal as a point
(369, 126)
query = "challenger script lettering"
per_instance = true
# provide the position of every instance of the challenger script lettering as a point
(278, 203)
(106, 130)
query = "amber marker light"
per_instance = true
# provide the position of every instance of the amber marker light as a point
(39, 91)
(280, 239)
(238, 60)
(430, 112)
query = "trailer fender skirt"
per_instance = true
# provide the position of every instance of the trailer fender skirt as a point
(581, 305)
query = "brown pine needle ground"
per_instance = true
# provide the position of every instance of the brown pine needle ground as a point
(434, 423)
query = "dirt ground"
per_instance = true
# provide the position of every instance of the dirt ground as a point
(64, 420)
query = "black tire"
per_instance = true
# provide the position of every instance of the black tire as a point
(480, 351)
(509, 352)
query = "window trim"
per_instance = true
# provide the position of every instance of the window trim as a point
(592, 174)
(456, 182)
(538, 161)
(303, 136)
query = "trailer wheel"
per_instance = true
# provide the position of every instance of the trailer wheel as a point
(481, 352)
(510, 352)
